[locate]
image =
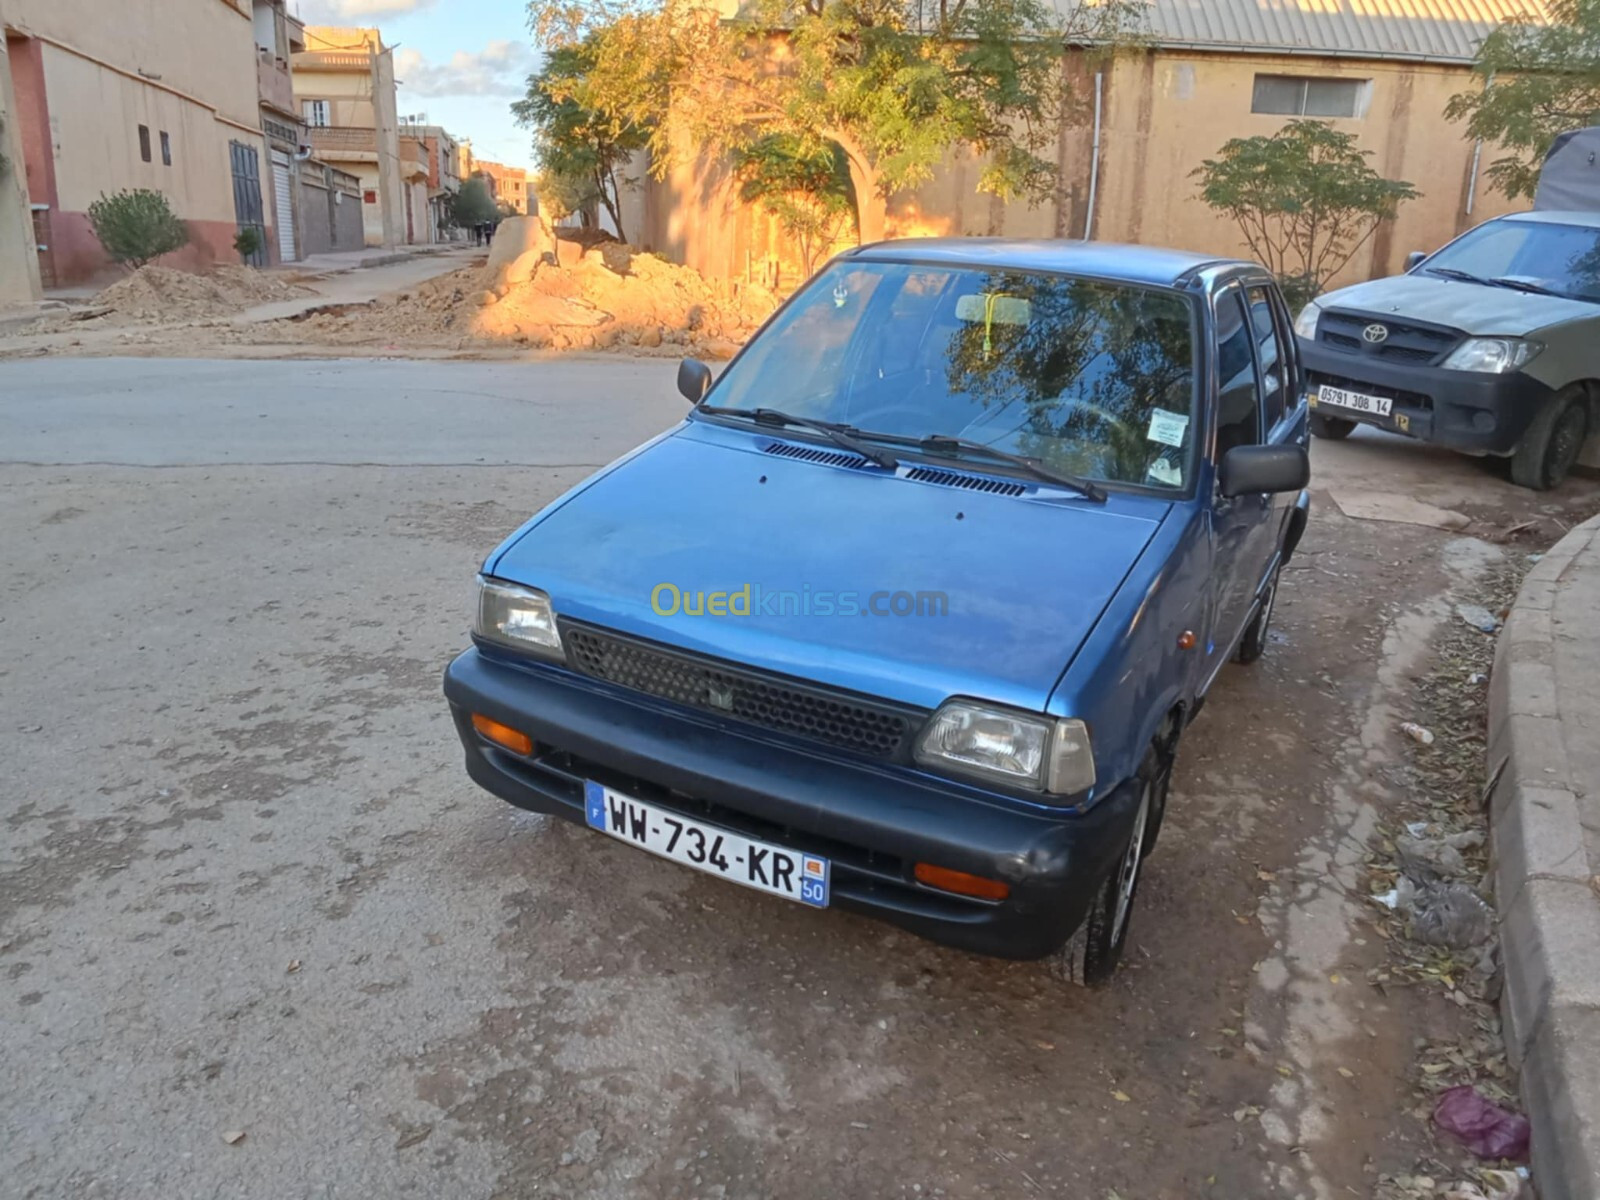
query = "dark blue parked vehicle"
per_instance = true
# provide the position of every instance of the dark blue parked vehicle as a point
(910, 614)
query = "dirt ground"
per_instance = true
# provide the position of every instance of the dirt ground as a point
(246, 888)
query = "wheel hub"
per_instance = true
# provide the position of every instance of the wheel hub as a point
(1128, 872)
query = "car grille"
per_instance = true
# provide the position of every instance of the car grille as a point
(834, 718)
(1408, 341)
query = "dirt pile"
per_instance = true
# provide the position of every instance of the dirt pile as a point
(606, 297)
(160, 294)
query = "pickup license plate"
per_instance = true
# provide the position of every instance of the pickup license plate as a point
(720, 852)
(1377, 406)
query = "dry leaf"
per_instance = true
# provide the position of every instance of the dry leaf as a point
(233, 1137)
(1594, 882)
(1265, 876)
(1121, 1097)
(294, 965)
(1045, 1045)
(1285, 1072)
(1347, 1072)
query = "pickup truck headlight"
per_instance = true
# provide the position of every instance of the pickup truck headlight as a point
(1002, 745)
(516, 616)
(1491, 356)
(1305, 325)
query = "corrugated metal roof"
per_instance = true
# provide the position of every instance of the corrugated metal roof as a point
(1448, 30)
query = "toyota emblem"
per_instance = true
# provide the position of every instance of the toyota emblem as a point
(1375, 334)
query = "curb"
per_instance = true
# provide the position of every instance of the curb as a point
(1545, 833)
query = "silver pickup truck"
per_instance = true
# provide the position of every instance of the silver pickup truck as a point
(1490, 345)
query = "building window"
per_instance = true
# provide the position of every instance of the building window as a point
(144, 142)
(166, 149)
(1300, 96)
(316, 113)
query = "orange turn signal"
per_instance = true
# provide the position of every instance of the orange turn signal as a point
(502, 735)
(961, 883)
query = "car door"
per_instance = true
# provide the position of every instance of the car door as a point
(1242, 533)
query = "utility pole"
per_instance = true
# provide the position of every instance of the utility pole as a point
(19, 251)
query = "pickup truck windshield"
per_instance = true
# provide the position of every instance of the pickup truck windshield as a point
(1564, 259)
(1092, 379)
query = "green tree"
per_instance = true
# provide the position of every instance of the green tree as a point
(473, 203)
(577, 139)
(1538, 81)
(810, 195)
(1305, 199)
(136, 226)
(895, 85)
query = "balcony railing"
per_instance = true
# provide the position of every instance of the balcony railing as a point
(332, 139)
(273, 84)
(333, 60)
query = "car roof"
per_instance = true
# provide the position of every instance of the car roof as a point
(1152, 265)
(1590, 220)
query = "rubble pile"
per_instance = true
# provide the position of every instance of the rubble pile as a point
(160, 294)
(602, 298)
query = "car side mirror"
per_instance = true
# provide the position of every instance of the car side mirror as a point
(1415, 259)
(694, 380)
(1248, 470)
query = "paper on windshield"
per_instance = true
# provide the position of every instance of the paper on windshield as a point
(1168, 428)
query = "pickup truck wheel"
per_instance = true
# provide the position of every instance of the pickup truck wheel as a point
(1090, 957)
(1551, 446)
(1335, 429)
(1254, 643)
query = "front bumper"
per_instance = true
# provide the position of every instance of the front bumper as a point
(875, 821)
(1463, 410)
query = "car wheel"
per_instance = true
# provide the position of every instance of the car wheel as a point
(1090, 957)
(1335, 429)
(1551, 446)
(1254, 643)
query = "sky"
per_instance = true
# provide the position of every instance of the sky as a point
(461, 62)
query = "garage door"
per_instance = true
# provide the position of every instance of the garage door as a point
(283, 194)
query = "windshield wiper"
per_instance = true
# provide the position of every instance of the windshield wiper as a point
(1525, 285)
(838, 434)
(1462, 276)
(954, 447)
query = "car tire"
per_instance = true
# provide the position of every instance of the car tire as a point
(1550, 448)
(1334, 429)
(1254, 642)
(1090, 957)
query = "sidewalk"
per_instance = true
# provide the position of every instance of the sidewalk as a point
(383, 272)
(366, 257)
(1544, 771)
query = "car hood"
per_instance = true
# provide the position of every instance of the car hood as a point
(712, 510)
(1470, 307)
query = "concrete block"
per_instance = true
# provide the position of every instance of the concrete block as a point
(1550, 940)
(1537, 751)
(1537, 835)
(514, 237)
(1561, 1088)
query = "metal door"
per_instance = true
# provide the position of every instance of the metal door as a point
(283, 194)
(247, 211)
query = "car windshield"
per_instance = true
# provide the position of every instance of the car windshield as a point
(1092, 379)
(1559, 258)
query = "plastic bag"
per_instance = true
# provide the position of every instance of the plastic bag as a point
(1485, 1128)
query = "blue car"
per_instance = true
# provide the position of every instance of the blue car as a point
(911, 612)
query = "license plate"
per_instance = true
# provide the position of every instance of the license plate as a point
(720, 852)
(1377, 406)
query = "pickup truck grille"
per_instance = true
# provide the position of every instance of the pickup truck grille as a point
(1408, 341)
(834, 718)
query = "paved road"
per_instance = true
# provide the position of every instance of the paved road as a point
(245, 887)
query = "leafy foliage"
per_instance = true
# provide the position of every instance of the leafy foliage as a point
(247, 242)
(1539, 81)
(473, 203)
(582, 144)
(809, 193)
(893, 84)
(1304, 198)
(136, 225)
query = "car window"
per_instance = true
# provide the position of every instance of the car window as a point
(1562, 258)
(1239, 397)
(1093, 378)
(1269, 356)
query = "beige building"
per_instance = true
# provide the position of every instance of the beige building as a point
(508, 185)
(1383, 70)
(345, 87)
(163, 96)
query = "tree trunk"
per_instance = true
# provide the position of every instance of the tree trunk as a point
(608, 190)
(872, 209)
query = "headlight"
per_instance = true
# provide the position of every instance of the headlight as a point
(516, 616)
(999, 744)
(1305, 325)
(1491, 356)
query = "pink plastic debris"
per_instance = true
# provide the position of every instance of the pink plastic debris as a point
(1485, 1128)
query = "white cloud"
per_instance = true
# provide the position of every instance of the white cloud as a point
(341, 12)
(499, 69)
